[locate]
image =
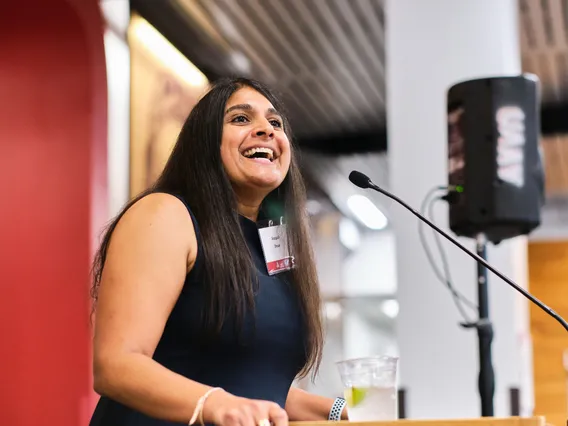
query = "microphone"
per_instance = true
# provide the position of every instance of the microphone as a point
(363, 181)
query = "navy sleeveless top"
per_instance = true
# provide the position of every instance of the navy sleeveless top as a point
(260, 367)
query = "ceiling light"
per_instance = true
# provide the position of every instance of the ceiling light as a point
(333, 310)
(240, 62)
(367, 212)
(349, 234)
(313, 207)
(390, 308)
(163, 50)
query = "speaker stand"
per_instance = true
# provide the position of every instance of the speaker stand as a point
(484, 333)
(486, 383)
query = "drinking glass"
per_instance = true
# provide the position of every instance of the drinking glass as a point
(370, 387)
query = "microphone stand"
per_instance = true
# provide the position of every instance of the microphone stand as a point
(483, 325)
(486, 382)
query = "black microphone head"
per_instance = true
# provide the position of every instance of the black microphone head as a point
(359, 179)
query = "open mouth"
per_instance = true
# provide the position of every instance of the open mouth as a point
(263, 154)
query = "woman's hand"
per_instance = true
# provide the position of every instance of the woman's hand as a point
(224, 409)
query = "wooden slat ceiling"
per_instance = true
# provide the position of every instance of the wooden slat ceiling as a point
(327, 58)
(544, 45)
(544, 49)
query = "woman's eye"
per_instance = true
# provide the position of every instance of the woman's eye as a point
(276, 123)
(240, 119)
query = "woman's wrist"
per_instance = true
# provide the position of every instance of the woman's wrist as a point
(214, 400)
(344, 413)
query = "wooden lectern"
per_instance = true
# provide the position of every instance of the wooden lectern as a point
(482, 421)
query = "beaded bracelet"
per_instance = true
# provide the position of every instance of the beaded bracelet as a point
(198, 412)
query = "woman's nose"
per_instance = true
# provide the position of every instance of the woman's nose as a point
(265, 130)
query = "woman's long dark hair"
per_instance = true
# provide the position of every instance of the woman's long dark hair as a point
(195, 172)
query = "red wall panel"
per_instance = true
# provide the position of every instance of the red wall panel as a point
(53, 196)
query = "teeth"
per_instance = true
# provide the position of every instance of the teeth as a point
(252, 151)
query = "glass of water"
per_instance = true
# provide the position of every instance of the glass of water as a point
(370, 387)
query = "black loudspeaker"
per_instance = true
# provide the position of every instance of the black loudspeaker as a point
(494, 157)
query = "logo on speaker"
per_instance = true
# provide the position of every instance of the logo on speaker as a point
(511, 145)
(456, 146)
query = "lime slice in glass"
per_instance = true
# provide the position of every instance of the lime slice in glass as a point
(354, 396)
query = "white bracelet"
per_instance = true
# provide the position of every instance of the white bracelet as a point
(199, 407)
(336, 410)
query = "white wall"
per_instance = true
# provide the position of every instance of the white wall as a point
(371, 269)
(328, 254)
(118, 75)
(117, 16)
(357, 283)
(430, 46)
(364, 338)
(328, 382)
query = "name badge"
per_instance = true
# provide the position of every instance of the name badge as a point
(274, 243)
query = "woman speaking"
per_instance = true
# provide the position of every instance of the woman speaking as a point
(206, 296)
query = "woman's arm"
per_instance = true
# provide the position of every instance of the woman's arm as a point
(304, 406)
(150, 253)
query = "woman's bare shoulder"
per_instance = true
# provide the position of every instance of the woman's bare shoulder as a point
(160, 218)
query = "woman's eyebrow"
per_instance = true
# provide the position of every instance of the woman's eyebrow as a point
(248, 107)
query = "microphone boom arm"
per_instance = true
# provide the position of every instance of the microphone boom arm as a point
(478, 258)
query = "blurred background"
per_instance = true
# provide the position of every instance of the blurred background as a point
(94, 92)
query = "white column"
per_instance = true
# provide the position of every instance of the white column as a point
(117, 17)
(430, 46)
